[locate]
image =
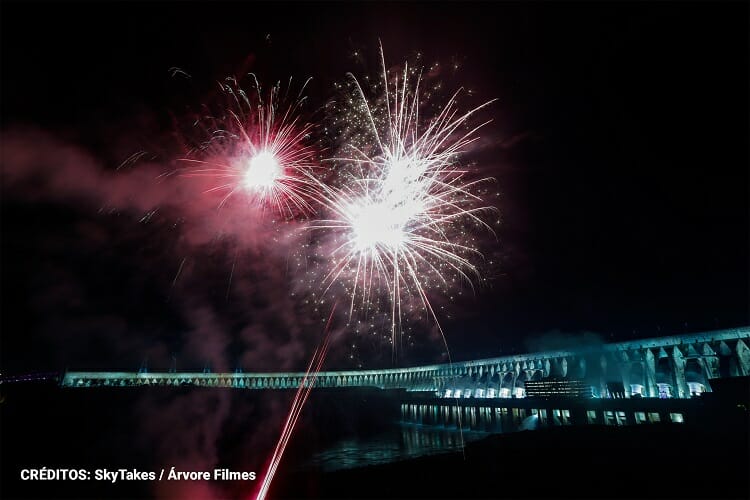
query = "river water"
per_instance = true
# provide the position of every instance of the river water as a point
(400, 441)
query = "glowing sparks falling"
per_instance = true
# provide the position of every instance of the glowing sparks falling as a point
(402, 217)
(260, 149)
(303, 392)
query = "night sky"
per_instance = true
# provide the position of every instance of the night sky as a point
(619, 142)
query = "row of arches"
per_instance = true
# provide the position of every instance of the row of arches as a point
(680, 370)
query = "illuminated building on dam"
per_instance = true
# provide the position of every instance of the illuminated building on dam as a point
(553, 387)
(679, 366)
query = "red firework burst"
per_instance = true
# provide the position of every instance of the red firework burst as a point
(259, 148)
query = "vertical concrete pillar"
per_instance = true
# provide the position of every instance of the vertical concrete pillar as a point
(649, 371)
(743, 358)
(678, 361)
(727, 365)
(624, 366)
(710, 361)
(554, 369)
(603, 375)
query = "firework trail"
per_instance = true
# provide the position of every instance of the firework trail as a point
(260, 148)
(303, 392)
(403, 216)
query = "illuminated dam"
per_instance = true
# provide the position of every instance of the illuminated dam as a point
(674, 367)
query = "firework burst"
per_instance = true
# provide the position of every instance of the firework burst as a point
(258, 148)
(402, 218)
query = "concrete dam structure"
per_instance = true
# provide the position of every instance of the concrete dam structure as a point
(679, 366)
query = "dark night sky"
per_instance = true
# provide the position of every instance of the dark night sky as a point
(621, 154)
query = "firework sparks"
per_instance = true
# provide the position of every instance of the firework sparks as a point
(403, 217)
(303, 392)
(258, 148)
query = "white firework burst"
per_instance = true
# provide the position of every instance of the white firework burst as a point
(403, 218)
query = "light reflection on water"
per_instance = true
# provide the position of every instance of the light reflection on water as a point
(401, 442)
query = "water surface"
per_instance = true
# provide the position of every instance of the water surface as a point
(398, 442)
